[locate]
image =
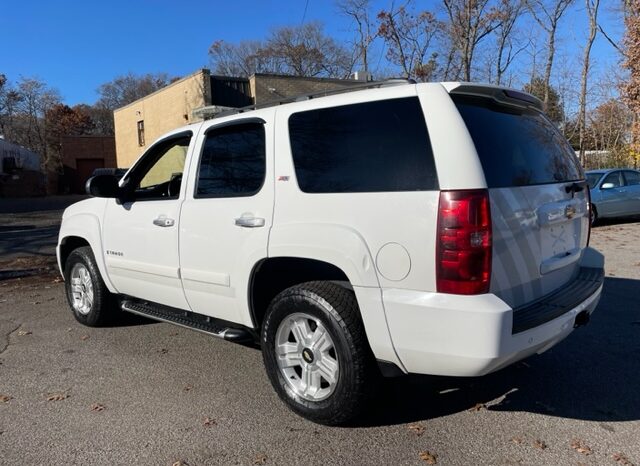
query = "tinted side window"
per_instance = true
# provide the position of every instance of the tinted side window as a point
(232, 162)
(614, 178)
(517, 147)
(368, 147)
(633, 178)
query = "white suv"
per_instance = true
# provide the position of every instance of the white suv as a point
(437, 228)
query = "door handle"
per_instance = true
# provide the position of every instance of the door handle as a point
(250, 222)
(163, 221)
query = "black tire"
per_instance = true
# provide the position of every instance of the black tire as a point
(594, 215)
(336, 308)
(102, 306)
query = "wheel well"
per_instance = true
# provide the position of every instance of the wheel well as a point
(68, 245)
(271, 276)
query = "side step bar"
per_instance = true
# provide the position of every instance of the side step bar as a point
(205, 324)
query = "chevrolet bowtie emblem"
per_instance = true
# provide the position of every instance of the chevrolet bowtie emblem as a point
(570, 211)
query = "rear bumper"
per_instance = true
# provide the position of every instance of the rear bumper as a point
(441, 334)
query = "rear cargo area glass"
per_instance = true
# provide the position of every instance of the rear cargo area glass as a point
(517, 146)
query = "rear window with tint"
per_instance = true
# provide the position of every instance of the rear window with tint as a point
(368, 147)
(517, 147)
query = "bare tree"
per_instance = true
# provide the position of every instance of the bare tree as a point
(507, 51)
(242, 59)
(592, 11)
(307, 51)
(123, 90)
(298, 50)
(548, 14)
(631, 88)
(409, 38)
(470, 21)
(360, 13)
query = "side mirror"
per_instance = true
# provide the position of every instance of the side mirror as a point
(103, 186)
(607, 186)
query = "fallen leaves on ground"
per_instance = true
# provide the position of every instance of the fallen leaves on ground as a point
(539, 444)
(5, 398)
(260, 459)
(208, 422)
(621, 459)
(84, 337)
(417, 429)
(57, 396)
(478, 407)
(428, 457)
(163, 350)
(517, 440)
(180, 463)
(187, 388)
(98, 407)
(22, 333)
(580, 447)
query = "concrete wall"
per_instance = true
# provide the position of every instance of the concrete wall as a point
(162, 111)
(270, 87)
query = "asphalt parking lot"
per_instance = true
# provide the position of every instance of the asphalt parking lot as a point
(150, 393)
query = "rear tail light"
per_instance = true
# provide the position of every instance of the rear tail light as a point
(463, 248)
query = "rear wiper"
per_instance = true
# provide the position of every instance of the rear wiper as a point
(575, 187)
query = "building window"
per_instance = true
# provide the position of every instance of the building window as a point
(141, 133)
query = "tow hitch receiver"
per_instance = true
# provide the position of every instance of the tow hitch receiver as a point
(581, 319)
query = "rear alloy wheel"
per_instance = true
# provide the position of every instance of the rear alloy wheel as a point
(88, 296)
(306, 357)
(316, 353)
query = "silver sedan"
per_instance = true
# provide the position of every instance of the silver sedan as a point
(614, 193)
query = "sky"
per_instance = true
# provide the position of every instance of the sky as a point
(74, 46)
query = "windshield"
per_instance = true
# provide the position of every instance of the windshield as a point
(517, 146)
(593, 178)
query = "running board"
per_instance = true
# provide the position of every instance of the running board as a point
(187, 319)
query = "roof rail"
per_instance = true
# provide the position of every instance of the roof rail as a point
(302, 97)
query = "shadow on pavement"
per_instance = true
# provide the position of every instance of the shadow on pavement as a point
(593, 375)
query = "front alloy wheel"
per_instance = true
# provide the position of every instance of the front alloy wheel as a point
(81, 289)
(90, 300)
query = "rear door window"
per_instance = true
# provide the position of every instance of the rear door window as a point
(516, 146)
(233, 161)
(368, 147)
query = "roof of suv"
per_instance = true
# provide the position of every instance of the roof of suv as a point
(501, 94)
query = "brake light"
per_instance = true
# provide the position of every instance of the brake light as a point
(463, 248)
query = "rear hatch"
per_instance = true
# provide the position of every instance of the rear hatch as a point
(538, 197)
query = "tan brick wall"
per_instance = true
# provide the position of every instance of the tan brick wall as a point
(268, 88)
(164, 110)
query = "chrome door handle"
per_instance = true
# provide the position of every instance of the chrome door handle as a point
(250, 222)
(164, 221)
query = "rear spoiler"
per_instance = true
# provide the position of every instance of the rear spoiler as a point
(503, 95)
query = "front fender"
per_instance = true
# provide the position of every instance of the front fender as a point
(87, 227)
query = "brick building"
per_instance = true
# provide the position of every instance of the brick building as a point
(197, 96)
(81, 155)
